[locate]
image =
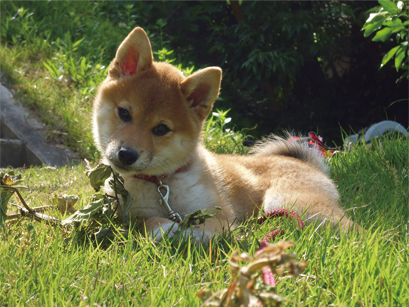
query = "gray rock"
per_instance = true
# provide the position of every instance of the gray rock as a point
(23, 138)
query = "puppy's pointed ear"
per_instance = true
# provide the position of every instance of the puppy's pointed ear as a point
(133, 55)
(201, 89)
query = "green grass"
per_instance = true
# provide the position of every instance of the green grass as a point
(44, 266)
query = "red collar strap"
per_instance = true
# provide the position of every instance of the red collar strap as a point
(156, 179)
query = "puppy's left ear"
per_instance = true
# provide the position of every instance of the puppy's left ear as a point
(133, 55)
(202, 89)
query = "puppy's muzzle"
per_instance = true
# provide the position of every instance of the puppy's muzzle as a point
(127, 156)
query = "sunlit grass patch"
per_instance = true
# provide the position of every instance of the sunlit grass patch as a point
(45, 266)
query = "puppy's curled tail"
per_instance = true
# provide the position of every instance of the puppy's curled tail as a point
(275, 145)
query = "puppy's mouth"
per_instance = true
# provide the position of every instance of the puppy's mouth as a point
(126, 169)
(128, 161)
(120, 168)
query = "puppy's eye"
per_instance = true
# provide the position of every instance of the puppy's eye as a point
(124, 114)
(160, 130)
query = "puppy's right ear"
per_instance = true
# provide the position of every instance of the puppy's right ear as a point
(201, 89)
(133, 55)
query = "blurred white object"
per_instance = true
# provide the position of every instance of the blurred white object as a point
(377, 130)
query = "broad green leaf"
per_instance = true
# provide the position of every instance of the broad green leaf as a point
(398, 29)
(400, 55)
(98, 205)
(382, 35)
(389, 6)
(102, 233)
(118, 186)
(389, 55)
(98, 175)
(373, 23)
(392, 24)
(5, 195)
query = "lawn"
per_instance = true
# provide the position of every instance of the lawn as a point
(43, 266)
(55, 74)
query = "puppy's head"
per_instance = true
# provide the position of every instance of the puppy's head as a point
(147, 115)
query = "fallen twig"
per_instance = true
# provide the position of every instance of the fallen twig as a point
(14, 216)
(38, 216)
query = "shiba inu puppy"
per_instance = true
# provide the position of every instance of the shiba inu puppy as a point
(147, 123)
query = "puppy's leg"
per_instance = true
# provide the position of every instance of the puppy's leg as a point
(156, 226)
(317, 206)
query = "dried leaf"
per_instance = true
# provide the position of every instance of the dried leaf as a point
(198, 217)
(246, 290)
(65, 203)
(10, 178)
(8, 181)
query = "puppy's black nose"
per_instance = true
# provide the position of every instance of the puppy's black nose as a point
(127, 156)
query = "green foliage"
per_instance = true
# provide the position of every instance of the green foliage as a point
(88, 214)
(98, 175)
(391, 18)
(100, 218)
(220, 139)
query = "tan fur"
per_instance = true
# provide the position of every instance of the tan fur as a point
(277, 175)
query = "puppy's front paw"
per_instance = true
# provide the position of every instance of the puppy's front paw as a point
(199, 234)
(157, 227)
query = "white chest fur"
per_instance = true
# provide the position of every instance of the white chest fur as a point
(187, 193)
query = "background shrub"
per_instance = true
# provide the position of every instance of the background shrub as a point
(302, 65)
